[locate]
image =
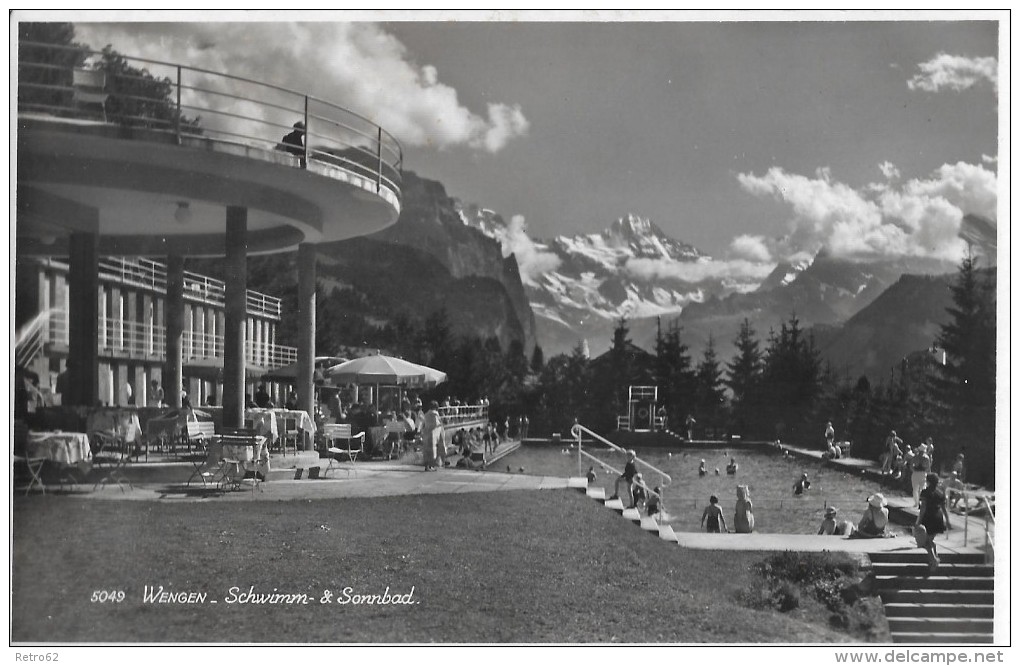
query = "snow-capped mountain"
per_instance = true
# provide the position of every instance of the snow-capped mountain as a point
(579, 286)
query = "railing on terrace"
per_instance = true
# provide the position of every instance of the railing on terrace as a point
(149, 274)
(192, 103)
(454, 416)
(138, 340)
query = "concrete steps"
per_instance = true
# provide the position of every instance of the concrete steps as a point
(941, 638)
(934, 596)
(952, 610)
(953, 604)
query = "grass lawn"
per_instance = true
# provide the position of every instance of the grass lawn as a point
(527, 566)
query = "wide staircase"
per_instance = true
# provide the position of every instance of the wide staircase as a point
(952, 605)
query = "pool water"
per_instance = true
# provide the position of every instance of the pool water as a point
(769, 475)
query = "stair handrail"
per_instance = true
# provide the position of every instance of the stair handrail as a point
(28, 339)
(577, 430)
(982, 498)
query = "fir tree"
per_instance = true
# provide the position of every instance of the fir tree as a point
(744, 378)
(709, 387)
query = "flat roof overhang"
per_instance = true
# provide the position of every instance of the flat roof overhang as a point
(127, 184)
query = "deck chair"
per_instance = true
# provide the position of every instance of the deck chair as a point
(89, 87)
(354, 444)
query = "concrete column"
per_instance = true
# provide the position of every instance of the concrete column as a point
(235, 319)
(117, 317)
(304, 383)
(173, 380)
(83, 321)
(131, 319)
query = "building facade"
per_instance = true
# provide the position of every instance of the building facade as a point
(131, 332)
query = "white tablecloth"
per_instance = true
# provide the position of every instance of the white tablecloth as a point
(305, 424)
(264, 422)
(63, 447)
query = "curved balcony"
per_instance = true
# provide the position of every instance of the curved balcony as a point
(148, 154)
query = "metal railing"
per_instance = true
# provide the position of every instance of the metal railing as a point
(28, 341)
(190, 103)
(148, 274)
(140, 340)
(985, 501)
(455, 416)
(578, 431)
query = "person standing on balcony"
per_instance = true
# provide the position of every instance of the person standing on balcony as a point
(294, 143)
(292, 400)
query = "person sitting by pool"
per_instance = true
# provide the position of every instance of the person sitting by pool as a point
(875, 518)
(639, 492)
(802, 485)
(833, 526)
(654, 506)
(954, 490)
(591, 475)
(629, 472)
(702, 470)
(731, 469)
(713, 516)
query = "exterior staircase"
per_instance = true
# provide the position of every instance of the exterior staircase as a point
(952, 605)
(955, 604)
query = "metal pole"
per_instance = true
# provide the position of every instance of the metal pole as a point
(580, 472)
(378, 170)
(177, 120)
(304, 162)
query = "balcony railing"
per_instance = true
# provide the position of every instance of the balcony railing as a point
(137, 340)
(147, 274)
(191, 103)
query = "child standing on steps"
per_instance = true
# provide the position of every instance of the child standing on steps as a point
(713, 516)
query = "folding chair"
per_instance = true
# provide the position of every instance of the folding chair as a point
(108, 457)
(90, 88)
(34, 467)
(344, 431)
(234, 472)
(290, 433)
(395, 436)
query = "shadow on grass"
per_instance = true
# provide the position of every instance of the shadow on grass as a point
(184, 491)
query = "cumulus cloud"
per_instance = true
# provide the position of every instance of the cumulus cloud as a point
(918, 218)
(751, 248)
(889, 170)
(955, 73)
(358, 65)
(698, 271)
(989, 159)
(533, 259)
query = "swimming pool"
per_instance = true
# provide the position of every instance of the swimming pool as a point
(768, 474)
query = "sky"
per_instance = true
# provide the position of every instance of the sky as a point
(754, 141)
